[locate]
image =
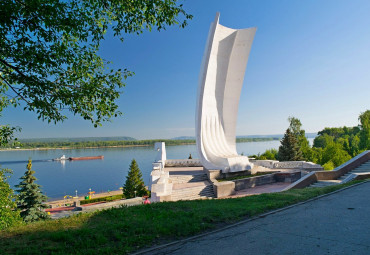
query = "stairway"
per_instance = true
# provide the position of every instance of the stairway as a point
(191, 186)
(188, 178)
(363, 168)
(192, 193)
(324, 183)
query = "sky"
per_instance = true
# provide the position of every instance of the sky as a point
(309, 59)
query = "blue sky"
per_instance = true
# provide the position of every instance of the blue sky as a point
(309, 59)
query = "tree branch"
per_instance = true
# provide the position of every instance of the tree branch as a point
(15, 91)
(15, 68)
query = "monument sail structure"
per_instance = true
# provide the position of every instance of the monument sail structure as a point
(220, 83)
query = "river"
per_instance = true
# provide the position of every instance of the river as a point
(59, 179)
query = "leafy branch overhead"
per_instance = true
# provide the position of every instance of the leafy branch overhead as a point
(49, 52)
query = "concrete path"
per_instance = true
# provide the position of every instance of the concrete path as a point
(334, 224)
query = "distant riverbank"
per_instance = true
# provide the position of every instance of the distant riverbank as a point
(69, 148)
(60, 145)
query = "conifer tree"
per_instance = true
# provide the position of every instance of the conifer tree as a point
(134, 185)
(9, 216)
(30, 198)
(295, 128)
(289, 149)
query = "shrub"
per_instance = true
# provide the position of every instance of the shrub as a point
(9, 216)
(102, 199)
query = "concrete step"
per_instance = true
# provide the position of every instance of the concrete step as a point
(324, 183)
(344, 176)
(193, 193)
(364, 165)
(362, 168)
(360, 171)
(200, 176)
(194, 190)
(191, 198)
(188, 178)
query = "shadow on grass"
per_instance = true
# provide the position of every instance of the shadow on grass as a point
(127, 229)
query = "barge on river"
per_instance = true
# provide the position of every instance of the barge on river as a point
(78, 158)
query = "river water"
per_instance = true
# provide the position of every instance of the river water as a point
(59, 179)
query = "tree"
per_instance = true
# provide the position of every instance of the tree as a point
(30, 198)
(9, 215)
(270, 154)
(333, 155)
(321, 141)
(300, 134)
(49, 57)
(365, 130)
(289, 149)
(134, 185)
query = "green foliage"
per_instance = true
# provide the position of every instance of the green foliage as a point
(129, 229)
(9, 215)
(328, 165)
(134, 185)
(323, 140)
(334, 152)
(255, 139)
(49, 52)
(271, 154)
(300, 134)
(7, 134)
(30, 198)
(101, 199)
(289, 149)
(334, 146)
(331, 148)
(365, 130)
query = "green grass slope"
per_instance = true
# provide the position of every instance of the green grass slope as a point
(127, 229)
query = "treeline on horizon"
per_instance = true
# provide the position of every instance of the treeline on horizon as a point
(331, 147)
(106, 143)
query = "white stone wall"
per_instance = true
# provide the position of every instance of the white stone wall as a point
(274, 164)
(183, 162)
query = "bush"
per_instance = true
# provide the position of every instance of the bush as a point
(329, 165)
(9, 216)
(102, 199)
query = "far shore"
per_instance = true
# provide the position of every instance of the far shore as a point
(112, 146)
(95, 147)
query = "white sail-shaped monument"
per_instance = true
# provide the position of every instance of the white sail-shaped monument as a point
(220, 83)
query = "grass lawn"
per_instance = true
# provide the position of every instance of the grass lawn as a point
(127, 229)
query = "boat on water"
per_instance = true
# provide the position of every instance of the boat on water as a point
(63, 158)
(86, 158)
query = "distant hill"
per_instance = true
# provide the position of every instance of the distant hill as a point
(279, 136)
(77, 139)
(184, 138)
(308, 135)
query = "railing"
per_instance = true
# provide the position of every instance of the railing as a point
(274, 164)
(331, 175)
(183, 163)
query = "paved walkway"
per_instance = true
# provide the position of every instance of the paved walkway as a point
(60, 202)
(334, 224)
